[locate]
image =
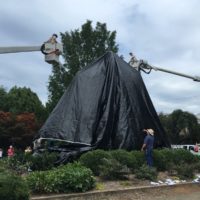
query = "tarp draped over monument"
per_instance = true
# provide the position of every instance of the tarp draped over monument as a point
(106, 106)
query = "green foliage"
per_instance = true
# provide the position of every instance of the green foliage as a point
(167, 159)
(56, 86)
(44, 161)
(20, 100)
(94, 159)
(125, 158)
(181, 127)
(3, 98)
(13, 187)
(185, 170)
(140, 158)
(145, 172)
(81, 47)
(112, 169)
(68, 178)
(21, 163)
(197, 166)
(3, 165)
(16, 165)
(160, 160)
(21, 114)
(182, 155)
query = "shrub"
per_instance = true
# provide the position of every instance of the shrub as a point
(160, 160)
(13, 187)
(184, 156)
(112, 169)
(68, 178)
(167, 159)
(197, 166)
(94, 159)
(171, 169)
(21, 162)
(169, 155)
(139, 157)
(44, 161)
(185, 170)
(3, 165)
(125, 158)
(17, 164)
(145, 172)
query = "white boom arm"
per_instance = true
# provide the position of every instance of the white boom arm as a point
(51, 49)
(142, 65)
(194, 78)
(4, 50)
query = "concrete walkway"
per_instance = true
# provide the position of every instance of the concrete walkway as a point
(183, 191)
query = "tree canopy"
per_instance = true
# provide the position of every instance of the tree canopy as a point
(17, 130)
(181, 127)
(20, 100)
(3, 95)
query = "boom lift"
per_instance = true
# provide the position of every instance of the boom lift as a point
(51, 49)
(142, 65)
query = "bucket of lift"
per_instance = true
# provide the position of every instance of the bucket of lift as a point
(52, 50)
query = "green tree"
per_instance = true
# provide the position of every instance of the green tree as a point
(20, 100)
(3, 96)
(80, 47)
(181, 127)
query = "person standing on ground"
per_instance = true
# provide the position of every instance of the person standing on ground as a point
(148, 146)
(1, 153)
(196, 147)
(10, 151)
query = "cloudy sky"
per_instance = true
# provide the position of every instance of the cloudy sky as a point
(165, 33)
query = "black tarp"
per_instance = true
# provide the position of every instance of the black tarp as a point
(106, 106)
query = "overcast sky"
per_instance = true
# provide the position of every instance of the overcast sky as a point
(166, 33)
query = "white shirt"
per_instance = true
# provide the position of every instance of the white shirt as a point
(1, 154)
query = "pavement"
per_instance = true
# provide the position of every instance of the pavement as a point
(181, 191)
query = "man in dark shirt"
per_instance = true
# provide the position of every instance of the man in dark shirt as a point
(148, 146)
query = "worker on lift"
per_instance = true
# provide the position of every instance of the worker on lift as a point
(52, 49)
(52, 39)
(133, 59)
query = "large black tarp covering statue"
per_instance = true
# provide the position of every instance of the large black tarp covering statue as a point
(106, 106)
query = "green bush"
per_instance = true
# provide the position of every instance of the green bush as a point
(169, 154)
(184, 156)
(94, 159)
(145, 172)
(16, 164)
(20, 163)
(159, 160)
(3, 165)
(12, 187)
(112, 169)
(44, 161)
(125, 158)
(185, 171)
(68, 178)
(167, 159)
(197, 166)
(139, 157)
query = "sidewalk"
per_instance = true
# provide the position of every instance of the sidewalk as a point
(183, 191)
